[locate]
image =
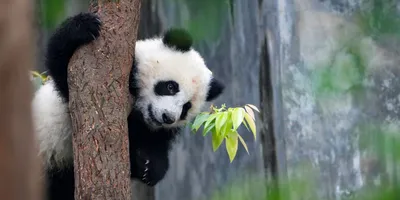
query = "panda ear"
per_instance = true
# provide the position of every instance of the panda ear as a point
(178, 39)
(215, 89)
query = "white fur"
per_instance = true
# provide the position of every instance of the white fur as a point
(158, 62)
(52, 126)
(155, 62)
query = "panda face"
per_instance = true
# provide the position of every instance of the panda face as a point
(169, 106)
(173, 84)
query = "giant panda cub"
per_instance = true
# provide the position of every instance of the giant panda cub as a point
(169, 82)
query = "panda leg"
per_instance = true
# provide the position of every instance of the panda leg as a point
(148, 167)
(60, 184)
(73, 33)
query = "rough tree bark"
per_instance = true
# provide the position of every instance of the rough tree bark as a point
(99, 97)
(19, 167)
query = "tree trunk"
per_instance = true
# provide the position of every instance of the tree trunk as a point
(99, 103)
(19, 167)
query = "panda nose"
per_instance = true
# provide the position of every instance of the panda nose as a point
(168, 119)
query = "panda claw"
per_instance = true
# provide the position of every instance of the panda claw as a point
(149, 167)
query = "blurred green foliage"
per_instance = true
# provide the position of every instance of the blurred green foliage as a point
(381, 139)
(379, 17)
(345, 72)
(206, 17)
(51, 12)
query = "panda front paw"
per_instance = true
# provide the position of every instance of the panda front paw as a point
(84, 27)
(149, 169)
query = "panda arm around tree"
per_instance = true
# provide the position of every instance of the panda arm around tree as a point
(51, 116)
(169, 82)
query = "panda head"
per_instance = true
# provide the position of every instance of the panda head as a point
(172, 81)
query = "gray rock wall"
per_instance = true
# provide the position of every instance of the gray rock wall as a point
(322, 132)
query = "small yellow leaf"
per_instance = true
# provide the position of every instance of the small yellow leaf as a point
(253, 107)
(36, 74)
(251, 124)
(244, 144)
(41, 76)
(250, 111)
(245, 124)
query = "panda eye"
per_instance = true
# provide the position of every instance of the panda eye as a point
(170, 87)
(166, 88)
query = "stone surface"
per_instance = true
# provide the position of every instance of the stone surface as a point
(323, 132)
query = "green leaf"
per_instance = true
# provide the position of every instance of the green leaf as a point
(217, 140)
(208, 129)
(210, 120)
(251, 123)
(243, 143)
(220, 120)
(231, 144)
(227, 128)
(237, 117)
(200, 119)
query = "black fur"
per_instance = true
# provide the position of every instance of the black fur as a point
(216, 88)
(60, 184)
(72, 34)
(166, 88)
(148, 149)
(143, 146)
(178, 39)
(185, 109)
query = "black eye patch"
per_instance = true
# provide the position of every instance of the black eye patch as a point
(185, 109)
(166, 88)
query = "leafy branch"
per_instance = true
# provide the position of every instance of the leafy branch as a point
(223, 124)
